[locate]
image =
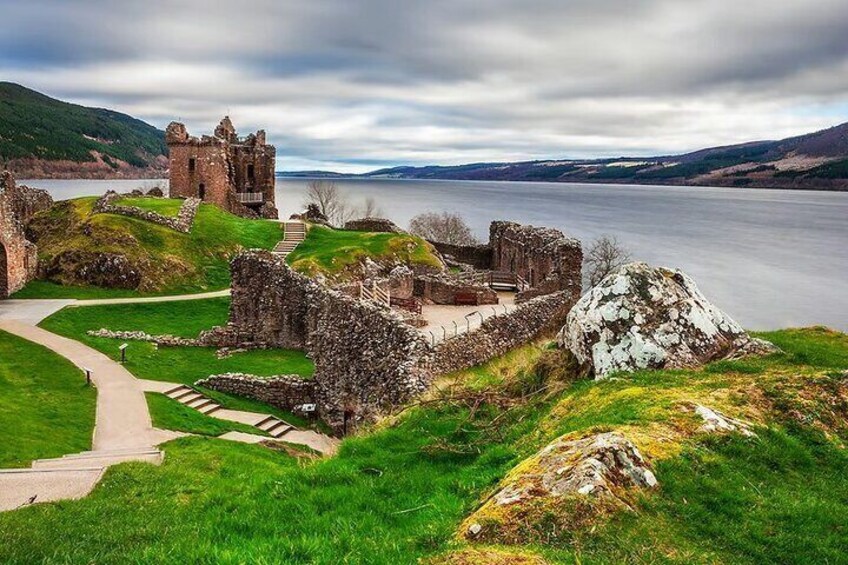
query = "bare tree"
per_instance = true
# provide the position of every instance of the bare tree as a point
(326, 196)
(444, 227)
(603, 256)
(370, 209)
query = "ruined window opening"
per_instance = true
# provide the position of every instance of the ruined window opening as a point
(250, 172)
(191, 165)
(4, 274)
(202, 191)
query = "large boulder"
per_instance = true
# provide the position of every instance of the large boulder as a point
(644, 317)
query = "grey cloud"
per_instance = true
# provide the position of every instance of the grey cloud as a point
(382, 81)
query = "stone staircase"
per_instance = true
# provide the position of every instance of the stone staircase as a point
(188, 396)
(193, 399)
(293, 234)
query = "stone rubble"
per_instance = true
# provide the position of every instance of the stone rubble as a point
(181, 223)
(716, 423)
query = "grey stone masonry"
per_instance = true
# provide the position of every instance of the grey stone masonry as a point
(288, 392)
(181, 223)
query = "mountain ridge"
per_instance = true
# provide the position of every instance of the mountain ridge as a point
(813, 161)
(43, 137)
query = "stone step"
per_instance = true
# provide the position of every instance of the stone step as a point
(178, 389)
(94, 462)
(107, 452)
(199, 402)
(100, 454)
(209, 408)
(189, 398)
(279, 431)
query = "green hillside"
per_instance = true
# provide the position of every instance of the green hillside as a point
(35, 126)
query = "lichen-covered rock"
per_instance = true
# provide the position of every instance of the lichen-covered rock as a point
(717, 423)
(569, 476)
(642, 317)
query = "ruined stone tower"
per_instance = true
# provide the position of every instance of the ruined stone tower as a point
(18, 257)
(234, 173)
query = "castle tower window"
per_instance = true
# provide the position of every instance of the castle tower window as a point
(191, 165)
(202, 191)
(250, 172)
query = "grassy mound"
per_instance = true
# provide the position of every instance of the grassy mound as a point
(168, 262)
(338, 254)
(401, 492)
(46, 409)
(164, 206)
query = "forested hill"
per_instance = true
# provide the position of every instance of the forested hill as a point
(44, 137)
(813, 161)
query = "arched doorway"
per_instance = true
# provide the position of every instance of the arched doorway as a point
(4, 272)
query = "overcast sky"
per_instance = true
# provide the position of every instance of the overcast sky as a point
(355, 85)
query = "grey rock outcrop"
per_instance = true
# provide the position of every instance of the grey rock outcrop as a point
(597, 464)
(642, 317)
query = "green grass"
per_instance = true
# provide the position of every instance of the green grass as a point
(333, 252)
(164, 206)
(172, 364)
(399, 494)
(171, 262)
(46, 408)
(168, 414)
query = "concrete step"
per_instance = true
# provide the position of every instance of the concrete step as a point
(279, 431)
(82, 456)
(107, 452)
(94, 462)
(209, 408)
(189, 398)
(177, 390)
(199, 402)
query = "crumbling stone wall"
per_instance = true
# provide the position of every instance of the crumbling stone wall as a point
(499, 334)
(18, 256)
(283, 391)
(477, 256)
(374, 225)
(218, 168)
(443, 289)
(366, 359)
(543, 257)
(181, 223)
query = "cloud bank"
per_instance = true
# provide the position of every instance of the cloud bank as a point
(356, 85)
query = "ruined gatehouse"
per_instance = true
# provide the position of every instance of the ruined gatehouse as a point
(18, 258)
(234, 173)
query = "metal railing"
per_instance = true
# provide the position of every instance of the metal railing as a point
(250, 197)
(471, 322)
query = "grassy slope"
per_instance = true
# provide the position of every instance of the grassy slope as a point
(168, 414)
(173, 364)
(173, 262)
(34, 125)
(332, 252)
(46, 409)
(400, 493)
(165, 206)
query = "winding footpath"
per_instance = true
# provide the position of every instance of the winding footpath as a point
(123, 429)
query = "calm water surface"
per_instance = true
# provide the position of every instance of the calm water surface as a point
(770, 258)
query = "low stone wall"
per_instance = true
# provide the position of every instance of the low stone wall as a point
(162, 340)
(478, 256)
(376, 225)
(181, 223)
(283, 391)
(499, 334)
(444, 289)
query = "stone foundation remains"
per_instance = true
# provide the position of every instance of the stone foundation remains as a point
(543, 257)
(18, 256)
(181, 223)
(368, 360)
(374, 225)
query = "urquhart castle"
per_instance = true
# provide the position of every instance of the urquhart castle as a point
(234, 173)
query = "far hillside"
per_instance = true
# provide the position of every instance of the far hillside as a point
(41, 137)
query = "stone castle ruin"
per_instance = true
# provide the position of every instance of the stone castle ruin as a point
(18, 258)
(236, 174)
(369, 358)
